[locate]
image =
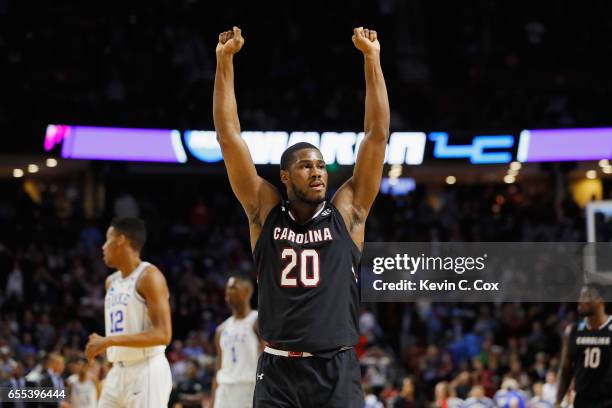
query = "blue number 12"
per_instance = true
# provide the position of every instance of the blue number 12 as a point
(116, 318)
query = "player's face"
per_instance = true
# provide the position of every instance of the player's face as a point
(586, 303)
(307, 176)
(112, 246)
(232, 292)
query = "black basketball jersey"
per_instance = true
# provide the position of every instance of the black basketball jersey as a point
(307, 275)
(590, 348)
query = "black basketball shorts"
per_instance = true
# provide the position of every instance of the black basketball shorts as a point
(308, 382)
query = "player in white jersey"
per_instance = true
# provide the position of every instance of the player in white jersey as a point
(83, 389)
(138, 325)
(238, 348)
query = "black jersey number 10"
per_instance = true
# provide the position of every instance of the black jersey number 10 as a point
(592, 357)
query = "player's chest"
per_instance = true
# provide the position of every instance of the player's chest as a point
(587, 340)
(236, 334)
(285, 234)
(120, 294)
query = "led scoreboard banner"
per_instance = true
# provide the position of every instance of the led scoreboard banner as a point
(411, 148)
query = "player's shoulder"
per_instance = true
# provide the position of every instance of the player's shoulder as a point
(150, 268)
(111, 278)
(151, 271)
(572, 327)
(223, 326)
(151, 280)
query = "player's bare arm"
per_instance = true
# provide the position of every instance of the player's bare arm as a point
(565, 369)
(153, 288)
(354, 199)
(218, 360)
(256, 195)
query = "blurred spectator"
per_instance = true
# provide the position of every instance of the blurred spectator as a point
(549, 389)
(45, 333)
(538, 400)
(371, 399)
(190, 391)
(84, 388)
(407, 397)
(444, 397)
(509, 395)
(478, 399)
(17, 381)
(14, 284)
(126, 206)
(53, 368)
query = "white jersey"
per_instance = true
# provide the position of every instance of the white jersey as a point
(239, 350)
(83, 394)
(126, 312)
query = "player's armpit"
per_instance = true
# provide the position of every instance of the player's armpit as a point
(344, 200)
(354, 216)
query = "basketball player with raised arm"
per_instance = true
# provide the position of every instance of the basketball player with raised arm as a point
(137, 320)
(306, 249)
(587, 354)
(238, 348)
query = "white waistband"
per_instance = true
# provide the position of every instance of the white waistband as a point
(134, 362)
(285, 353)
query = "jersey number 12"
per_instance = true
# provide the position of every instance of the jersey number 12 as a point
(116, 320)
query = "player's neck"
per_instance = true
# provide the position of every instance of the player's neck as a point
(129, 264)
(597, 320)
(241, 312)
(304, 211)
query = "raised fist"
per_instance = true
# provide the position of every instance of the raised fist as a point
(230, 42)
(366, 41)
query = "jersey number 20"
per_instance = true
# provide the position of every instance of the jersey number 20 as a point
(307, 257)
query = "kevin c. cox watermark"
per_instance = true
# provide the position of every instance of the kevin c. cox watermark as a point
(482, 271)
(412, 264)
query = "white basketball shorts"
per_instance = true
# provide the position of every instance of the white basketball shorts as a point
(238, 395)
(141, 384)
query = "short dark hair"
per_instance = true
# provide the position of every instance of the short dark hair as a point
(243, 279)
(288, 155)
(597, 291)
(134, 229)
